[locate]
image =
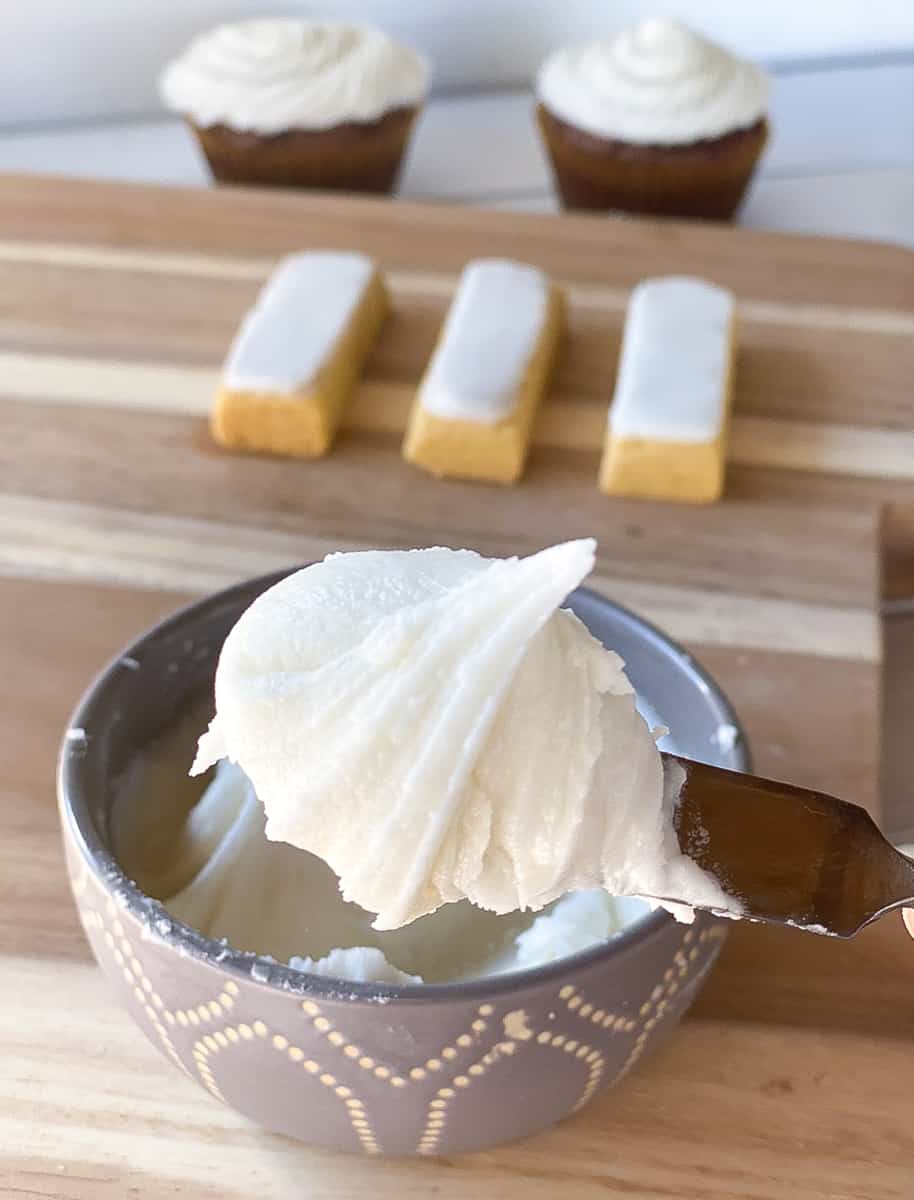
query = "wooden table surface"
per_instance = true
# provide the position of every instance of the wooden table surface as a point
(791, 1078)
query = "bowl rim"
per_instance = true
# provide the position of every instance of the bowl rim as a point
(161, 926)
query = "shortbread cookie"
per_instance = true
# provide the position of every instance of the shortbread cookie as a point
(474, 410)
(294, 361)
(666, 433)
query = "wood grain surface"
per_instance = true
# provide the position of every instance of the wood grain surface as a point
(791, 1078)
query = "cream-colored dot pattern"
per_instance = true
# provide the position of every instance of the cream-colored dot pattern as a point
(414, 1074)
(458, 1069)
(133, 975)
(599, 1017)
(674, 977)
(436, 1116)
(114, 935)
(591, 1058)
(207, 1048)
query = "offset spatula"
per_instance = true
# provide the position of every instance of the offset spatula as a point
(788, 855)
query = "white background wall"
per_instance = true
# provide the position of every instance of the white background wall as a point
(66, 60)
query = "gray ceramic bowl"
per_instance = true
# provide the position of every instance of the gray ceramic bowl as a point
(365, 1067)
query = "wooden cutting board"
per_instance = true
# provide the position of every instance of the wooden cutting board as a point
(792, 1077)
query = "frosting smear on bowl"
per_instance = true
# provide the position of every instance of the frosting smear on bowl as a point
(435, 727)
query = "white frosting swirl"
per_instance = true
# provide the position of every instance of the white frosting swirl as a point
(431, 726)
(268, 76)
(657, 83)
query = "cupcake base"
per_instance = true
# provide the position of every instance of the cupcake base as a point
(355, 156)
(702, 179)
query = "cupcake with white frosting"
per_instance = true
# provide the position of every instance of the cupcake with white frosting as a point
(299, 103)
(654, 120)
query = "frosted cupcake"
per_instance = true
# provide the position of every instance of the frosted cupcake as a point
(655, 120)
(299, 103)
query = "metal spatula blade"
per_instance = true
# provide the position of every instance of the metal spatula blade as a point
(788, 855)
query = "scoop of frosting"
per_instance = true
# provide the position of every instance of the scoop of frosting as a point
(272, 75)
(656, 83)
(430, 724)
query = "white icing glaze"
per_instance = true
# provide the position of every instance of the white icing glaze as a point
(657, 83)
(272, 75)
(299, 316)
(273, 899)
(489, 336)
(673, 367)
(431, 726)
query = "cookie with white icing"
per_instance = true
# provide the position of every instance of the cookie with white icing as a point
(294, 362)
(666, 431)
(474, 411)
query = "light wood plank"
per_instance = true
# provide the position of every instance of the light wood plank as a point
(797, 362)
(249, 221)
(781, 535)
(897, 323)
(727, 1111)
(382, 408)
(54, 641)
(43, 538)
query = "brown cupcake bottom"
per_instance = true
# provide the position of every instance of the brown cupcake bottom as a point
(702, 179)
(354, 156)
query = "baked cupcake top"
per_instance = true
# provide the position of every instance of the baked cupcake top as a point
(656, 83)
(268, 76)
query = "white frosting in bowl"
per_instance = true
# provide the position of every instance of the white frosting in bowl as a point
(430, 724)
(272, 75)
(275, 900)
(656, 83)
